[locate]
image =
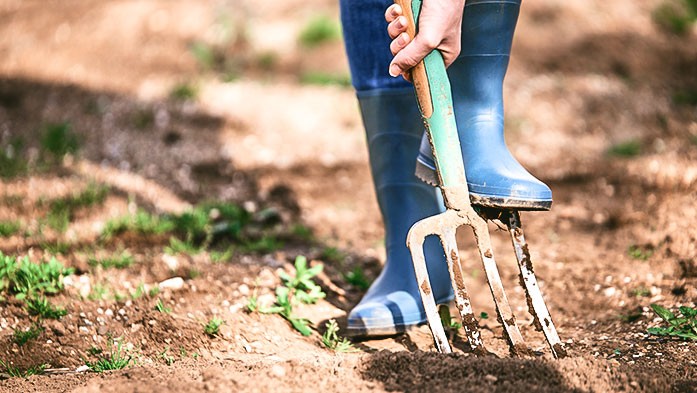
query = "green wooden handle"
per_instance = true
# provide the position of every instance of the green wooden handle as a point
(436, 105)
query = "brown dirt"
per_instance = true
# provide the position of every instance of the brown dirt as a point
(584, 77)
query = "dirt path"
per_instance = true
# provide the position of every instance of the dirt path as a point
(179, 103)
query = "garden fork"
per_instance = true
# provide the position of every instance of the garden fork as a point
(435, 102)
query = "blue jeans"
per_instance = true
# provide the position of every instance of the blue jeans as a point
(368, 46)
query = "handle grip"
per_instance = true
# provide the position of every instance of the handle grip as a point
(436, 104)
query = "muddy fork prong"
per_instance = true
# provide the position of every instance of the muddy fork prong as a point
(415, 242)
(462, 299)
(536, 303)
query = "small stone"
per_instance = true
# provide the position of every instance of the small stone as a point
(247, 348)
(103, 330)
(152, 322)
(171, 261)
(122, 312)
(174, 284)
(490, 378)
(278, 371)
(82, 369)
(244, 289)
(83, 329)
(100, 311)
(109, 312)
(135, 327)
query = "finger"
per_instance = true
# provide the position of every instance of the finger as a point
(392, 12)
(411, 55)
(399, 43)
(397, 26)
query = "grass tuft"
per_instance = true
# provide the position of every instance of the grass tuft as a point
(626, 149)
(41, 307)
(21, 337)
(9, 228)
(319, 30)
(115, 360)
(121, 261)
(331, 339)
(212, 328)
(59, 140)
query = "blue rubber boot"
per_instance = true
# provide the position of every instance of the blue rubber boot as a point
(392, 304)
(494, 177)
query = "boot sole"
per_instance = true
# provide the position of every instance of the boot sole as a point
(428, 175)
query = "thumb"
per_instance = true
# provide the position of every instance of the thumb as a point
(411, 55)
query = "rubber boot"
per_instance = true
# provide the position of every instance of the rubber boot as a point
(392, 304)
(494, 177)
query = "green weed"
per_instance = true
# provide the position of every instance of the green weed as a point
(186, 247)
(676, 16)
(331, 339)
(21, 337)
(264, 245)
(299, 287)
(685, 97)
(204, 54)
(483, 315)
(164, 355)
(447, 320)
(62, 210)
(99, 292)
(183, 92)
(12, 164)
(332, 254)
(683, 326)
(626, 149)
(115, 360)
(324, 79)
(59, 140)
(357, 278)
(41, 307)
(221, 256)
(13, 371)
(9, 228)
(121, 261)
(319, 30)
(212, 328)
(639, 253)
(142, 223)
(25, 278)
(301, 283)
(640, 292)
(55, 247)
(160, 307)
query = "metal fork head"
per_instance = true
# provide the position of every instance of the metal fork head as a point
(444, 226)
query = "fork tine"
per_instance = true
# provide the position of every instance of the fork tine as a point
(462, 299)
(536, 303)
(415, 241)
(503, 308)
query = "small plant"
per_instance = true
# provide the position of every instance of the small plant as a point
(41, 307)
(302, 285)
(676, 16)
(683, 326)
(59, 140)
(284, 308)
(626, 149)
(122, 261)
(115, 360)
(265, 244)
(177, 246)
(62, 210)
(142, 223)
(319, 30)
(13, 371)
(9, 228)
(183, 92)
(212, 328)
(332, 254)
(357, 278)
(11, 162)
(483, 315)
(25, 278)
(639, 253)
(221, 256)
(447, 319)
(331, 338)
(22, 337)
(99, 292)
(641, 292)
(160, 307)
(164, 355)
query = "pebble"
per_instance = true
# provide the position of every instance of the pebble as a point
(122, 312)
(135, 327)
(278, 371)
(243, 289)
(171, 261)
(83, 329)
(247, 348)
(152, 322)
(490, 378)
(102, 330)
(174, 284)
(100, 311)
(82, 369)
(109, 312)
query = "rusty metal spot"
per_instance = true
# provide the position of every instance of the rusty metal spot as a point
(488, 254)
(425, 287)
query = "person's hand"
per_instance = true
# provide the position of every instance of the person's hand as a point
(440, 25)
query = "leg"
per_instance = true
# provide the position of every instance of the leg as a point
(393, 129)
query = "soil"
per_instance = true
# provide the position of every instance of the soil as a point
(585, 79)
